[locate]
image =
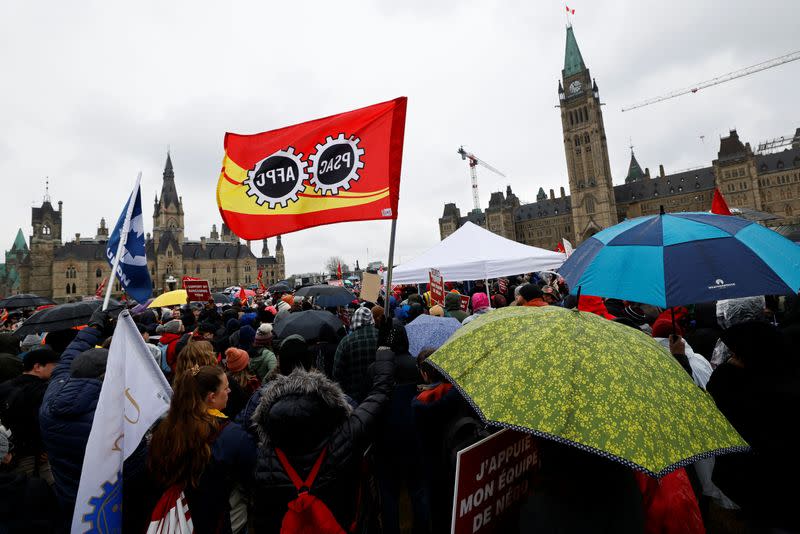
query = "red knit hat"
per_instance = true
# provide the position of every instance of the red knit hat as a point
(663, 325)
(590, 303)
(236, 359)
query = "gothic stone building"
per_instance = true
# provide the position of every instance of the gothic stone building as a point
(757, 184)
(63, 270)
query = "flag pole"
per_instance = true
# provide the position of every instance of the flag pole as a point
(123, 238)
(388, 309)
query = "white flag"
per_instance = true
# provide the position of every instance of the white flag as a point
(134, 395)
(567, 247)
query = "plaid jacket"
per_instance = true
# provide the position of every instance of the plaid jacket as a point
(354, 355)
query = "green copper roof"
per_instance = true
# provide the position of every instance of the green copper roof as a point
(635, 173)
(573, 61)
(19, 242)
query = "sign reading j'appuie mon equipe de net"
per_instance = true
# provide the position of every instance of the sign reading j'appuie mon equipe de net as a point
(491, 477)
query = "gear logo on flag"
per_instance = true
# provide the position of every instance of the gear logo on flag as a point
(278, 178)
(106, 511)
(335, 164)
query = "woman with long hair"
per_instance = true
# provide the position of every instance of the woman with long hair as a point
(197, 449)
(196, 353)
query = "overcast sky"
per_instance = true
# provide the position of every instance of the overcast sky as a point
(92, 92)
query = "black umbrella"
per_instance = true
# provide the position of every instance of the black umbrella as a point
(327, 296)
(311, 324)
(24, 300)
(65, 316)
(280, 287)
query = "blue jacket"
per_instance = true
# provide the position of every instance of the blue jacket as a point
(65, 419)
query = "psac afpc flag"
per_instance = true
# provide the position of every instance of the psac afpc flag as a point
(341, 168)
(134, 395)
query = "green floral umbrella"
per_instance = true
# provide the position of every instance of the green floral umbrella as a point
(582, 380)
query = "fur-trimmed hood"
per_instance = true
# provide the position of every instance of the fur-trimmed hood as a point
(299, 411)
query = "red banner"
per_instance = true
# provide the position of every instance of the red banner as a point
(197, 290)
(491, 476)
(340, 168)
(437, 287)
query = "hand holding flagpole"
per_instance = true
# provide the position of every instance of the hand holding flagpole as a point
(122, 239)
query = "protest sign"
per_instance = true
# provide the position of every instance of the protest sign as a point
(491, 476)
(464, 302)
(197, 290)
(370, 287)
(437, 287)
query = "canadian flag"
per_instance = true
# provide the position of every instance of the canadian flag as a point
(570, 11)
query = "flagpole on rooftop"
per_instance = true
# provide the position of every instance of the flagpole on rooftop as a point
(122, 239)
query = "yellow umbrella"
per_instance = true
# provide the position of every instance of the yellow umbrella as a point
(170, 298)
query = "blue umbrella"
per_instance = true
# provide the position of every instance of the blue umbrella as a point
(682, 258)
(429, 332)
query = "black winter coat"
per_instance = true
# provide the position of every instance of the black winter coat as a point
(25, 424)
(65, 418)
(301, 414)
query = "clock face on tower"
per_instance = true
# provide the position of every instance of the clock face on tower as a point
(575, 87)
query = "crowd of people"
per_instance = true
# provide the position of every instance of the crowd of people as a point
(350, 425)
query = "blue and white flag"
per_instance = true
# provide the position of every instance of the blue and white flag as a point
(132, 269)
(134, 395)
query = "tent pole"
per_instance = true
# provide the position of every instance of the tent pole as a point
(388, 309)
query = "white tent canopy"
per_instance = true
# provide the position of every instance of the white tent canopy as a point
(472, 253)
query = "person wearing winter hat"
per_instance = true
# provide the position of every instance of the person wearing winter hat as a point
(241, 381)
(696, 365)
(288, 299)
(354, 355)
(283, 306)
(452, 307)
(30, 342)
(247, 335)
(498, 301)
(480, 305)
(530, 295)
(436, 311)
(262, 359)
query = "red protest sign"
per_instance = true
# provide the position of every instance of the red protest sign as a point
(197, 290)
(464, 302)
(491, 476)
(437, 286)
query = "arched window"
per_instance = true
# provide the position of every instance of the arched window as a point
(67, 273)
(73, 288)
(577, 141)
(98, 273)
(68, 289)
(589, 205)
(46, 229)
(214, 269)
(228, 268)
(788, 210)
(169, 252)
(586, 138)
(197, 269)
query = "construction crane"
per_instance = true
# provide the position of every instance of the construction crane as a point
(474, 161)
(773, 145)
(794, 56)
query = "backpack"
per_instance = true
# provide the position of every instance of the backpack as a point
(307, 514)
(171, 514)
(13, 412)
(163, 361)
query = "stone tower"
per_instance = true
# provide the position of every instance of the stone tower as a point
(46, 236)
(168, 230)
(588, 168)
(264, 249)
(168, 213)
(279, 252)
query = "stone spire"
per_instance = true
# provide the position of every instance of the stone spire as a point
(169, 195)
(264, 249)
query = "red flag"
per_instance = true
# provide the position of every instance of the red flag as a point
(718, 205)
(99, 292)
(242, 296)
(340, 168)
(3, 316)
(560, 248)
(339, 271)
(260, 277)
